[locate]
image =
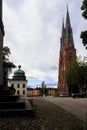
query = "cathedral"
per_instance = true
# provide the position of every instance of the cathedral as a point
(67, 52)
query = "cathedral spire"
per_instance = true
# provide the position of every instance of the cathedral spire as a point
(68, 19)
(62, 34)
(69, 35)
(62, 27)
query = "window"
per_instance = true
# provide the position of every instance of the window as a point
(23, 92)
(18, 92)
(23, 85)
(18, 85)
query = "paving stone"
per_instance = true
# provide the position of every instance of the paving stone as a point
(48, 117)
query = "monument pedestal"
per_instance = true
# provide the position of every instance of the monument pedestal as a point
(13, 105)
(4, 90)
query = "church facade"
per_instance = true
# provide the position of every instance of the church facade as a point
(67, 53)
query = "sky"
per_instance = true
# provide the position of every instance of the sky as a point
(33, 31)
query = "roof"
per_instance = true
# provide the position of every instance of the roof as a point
(19, 72)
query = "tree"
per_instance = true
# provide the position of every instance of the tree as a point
(73, 77)
(77, 76)
(84, 8)
(7, 65)
(82, 71)
(84, 14)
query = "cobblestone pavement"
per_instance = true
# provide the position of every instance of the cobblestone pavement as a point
(48, 116)
(77, 106)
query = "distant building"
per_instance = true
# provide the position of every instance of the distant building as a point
(37, 92)
(67, 53)
(19, 82)
(51, 91)
(32, 92)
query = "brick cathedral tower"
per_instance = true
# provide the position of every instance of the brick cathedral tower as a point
(67, 52)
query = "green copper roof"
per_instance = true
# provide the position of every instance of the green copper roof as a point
(19, 72)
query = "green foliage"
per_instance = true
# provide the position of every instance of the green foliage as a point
(73, 77)
(6, 53)
(82, 71)
(7, 65)
(77, 76)
(56, 95)
(84, 38)
(84, 14)
(84, 8)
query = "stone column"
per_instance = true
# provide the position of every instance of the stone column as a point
(1, 8)
(1, 46)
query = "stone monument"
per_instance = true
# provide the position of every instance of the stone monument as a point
(10, 104)
(1, 47)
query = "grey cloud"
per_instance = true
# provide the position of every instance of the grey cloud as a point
(54, 67)
(29, 77)
(15, 4)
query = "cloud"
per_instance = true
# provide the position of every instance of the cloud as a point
(54, 67)
(33, 31)
(14, 4)
(32, 78)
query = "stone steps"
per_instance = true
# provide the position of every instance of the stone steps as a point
(9, 98)
(16, 108)
(12, 105)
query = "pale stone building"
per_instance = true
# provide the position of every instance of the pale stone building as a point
(19, 82)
